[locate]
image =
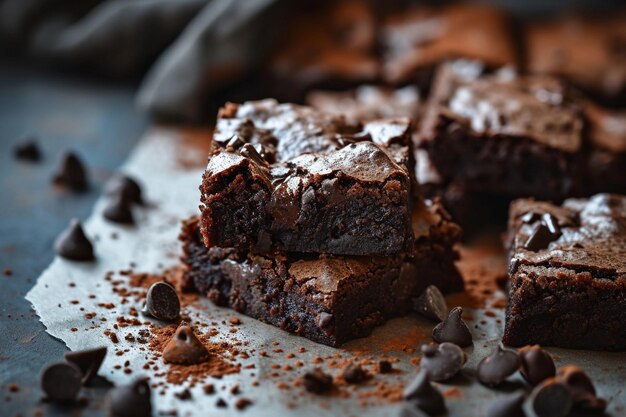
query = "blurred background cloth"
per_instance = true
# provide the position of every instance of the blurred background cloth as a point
(183, 50)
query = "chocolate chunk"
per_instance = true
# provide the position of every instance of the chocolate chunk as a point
(28, 150)
(185, 348)
(552, 399)
(384, 367)
(540, 238)
(582, 390)
(162, 302)
(130, 400)
(497, 367)
(353, 374)
(73, 244)
(249, 151)
(118, 209)
(536, 364)
(551, 223)
(424, 395)
(125, 185)
(88, 361)
(317, 381)
(71, 173)
(507, 406)
(453, 329)
(235, 142)
(431, 304)
(443, 361)
(61, 381)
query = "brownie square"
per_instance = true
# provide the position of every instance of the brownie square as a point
(567, 274)
(286, 177)
(328, 299)
(589, 51)
(414, 41)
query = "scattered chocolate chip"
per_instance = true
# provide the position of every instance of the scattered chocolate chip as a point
(249, 151)
(317, 381)
(497, 367)
(61, 381)
(552, 399)
(88, 361)
(71, 173)
(185, 348)
(582, 390)
(220, 403)
(118, 209)
(125, 185)
(28, 150)
(384, 367)
(453, 329)
(162, 302)
(431, 304)
(73, 244)
(443, 361)
(242, 403)
(539, 239)
(353, 374)
(507, 406)
(183, 395)
(424, 395)
(536, 364)
(130, 400)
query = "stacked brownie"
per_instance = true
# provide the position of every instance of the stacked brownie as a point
(568, 273)
(310, 221)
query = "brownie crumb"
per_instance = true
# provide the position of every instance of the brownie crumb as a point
(384, 367)
(317, 381)
(242, 403)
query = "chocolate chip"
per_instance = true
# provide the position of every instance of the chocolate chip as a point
(539, 239)
(443, 361)
(88, 361)
(235, 142)
(183, 395)
(71, 173)
(552, 399)
(353, 374)
(551, 223)
(250, 152)
(507, 406)
(497, 367)
(125, 185)
(431, 304)
(424, 395)
(582, 390)
(536, 364)
(73, 244)
(61, 381)
(317, 381)
(162, 302)
(28, 150)
(185, 348)
(118, 209)
(220, 403)
(130, 400)
(453, 329)
(384, 367)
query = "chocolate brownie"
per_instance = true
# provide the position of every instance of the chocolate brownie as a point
(589, 51)
(328, 299)
(567, 273)
(290, 178)
(324, 47)
(415, 41)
